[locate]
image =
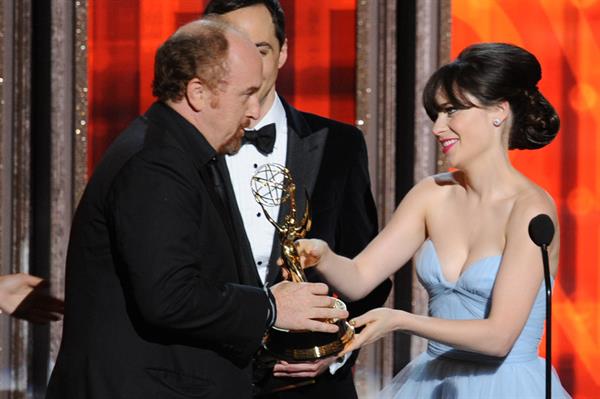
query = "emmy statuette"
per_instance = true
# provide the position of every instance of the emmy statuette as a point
(272, 185)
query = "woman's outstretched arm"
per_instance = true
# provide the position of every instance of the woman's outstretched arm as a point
(388, 252)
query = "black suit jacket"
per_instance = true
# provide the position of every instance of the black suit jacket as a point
(157, 305)
(328, 159)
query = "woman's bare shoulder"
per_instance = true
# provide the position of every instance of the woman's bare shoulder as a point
(532, 200)
(431, 191)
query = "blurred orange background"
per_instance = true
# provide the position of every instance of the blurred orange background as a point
(565, 36)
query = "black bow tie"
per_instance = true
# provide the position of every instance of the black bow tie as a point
(263, 139)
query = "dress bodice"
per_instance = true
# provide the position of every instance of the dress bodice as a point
(470, 297)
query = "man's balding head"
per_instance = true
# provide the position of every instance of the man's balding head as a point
(210, 73)
(199, 49)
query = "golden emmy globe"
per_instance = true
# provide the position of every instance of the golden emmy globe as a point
(273, 185)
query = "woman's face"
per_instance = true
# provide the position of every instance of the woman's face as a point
(464, 134)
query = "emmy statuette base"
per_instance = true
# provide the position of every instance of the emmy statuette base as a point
(297, 346)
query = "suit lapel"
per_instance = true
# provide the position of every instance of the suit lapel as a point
(304, 153)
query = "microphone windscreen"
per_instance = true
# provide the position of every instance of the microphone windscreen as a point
(541, 230)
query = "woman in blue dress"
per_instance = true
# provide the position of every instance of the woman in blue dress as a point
(469, 228)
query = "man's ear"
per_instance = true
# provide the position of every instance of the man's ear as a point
(197, 94)
(283, 53)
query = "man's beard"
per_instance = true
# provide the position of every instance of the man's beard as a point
(233, 145)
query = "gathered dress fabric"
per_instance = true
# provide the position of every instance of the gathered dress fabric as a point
(448, 373)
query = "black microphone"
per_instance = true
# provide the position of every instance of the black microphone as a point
(541, 232)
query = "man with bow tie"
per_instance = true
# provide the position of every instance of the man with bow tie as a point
(325, 157)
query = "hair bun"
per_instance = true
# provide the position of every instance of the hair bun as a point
(539, 123)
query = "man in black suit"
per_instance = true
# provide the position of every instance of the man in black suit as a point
(326, 157)
(158, 304)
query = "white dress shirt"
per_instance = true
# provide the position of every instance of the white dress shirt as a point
(241, 169)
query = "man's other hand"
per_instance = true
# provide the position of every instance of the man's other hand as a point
(303, 370)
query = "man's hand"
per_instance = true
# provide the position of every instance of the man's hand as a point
(305, 306)
(23, 296)
(303, 370)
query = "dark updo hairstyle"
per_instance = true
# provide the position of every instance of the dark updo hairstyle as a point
(492, 73)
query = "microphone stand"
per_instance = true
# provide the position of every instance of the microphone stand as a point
(548, 284)
(541, 231)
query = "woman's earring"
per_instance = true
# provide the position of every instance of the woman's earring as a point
(497, 122)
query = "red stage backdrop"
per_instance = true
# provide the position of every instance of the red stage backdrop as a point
(565, 36)
(123, 36)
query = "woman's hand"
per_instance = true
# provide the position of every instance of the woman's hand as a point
(24, 296)
(311, 251)
(377, 323)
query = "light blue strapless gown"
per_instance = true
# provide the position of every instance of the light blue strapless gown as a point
(444, 372)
